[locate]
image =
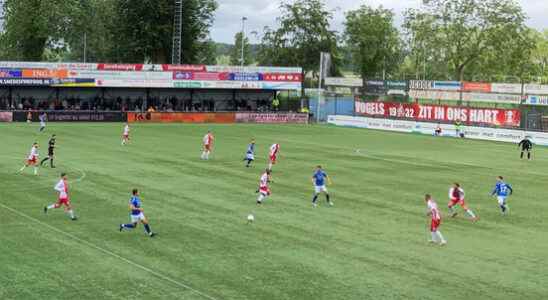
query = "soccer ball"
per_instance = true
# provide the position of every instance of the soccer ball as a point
(250, 218)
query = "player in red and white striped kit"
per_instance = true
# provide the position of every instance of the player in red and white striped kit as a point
(435, 222)
(456, 197)
(207, 142)
(125, 135)
(264, 189)
(32, 159)
(62, 188)
(273, 156)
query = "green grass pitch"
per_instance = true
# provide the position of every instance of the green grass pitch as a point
(371, 245)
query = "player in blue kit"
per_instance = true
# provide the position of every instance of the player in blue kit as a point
(319, 179)
(136, 214)
(502, 191)
(250, 153)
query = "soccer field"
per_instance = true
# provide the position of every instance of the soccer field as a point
(371, 245)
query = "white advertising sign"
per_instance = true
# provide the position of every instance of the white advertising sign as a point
(536, 89)
(506, 88)
(471, 132)
(344, 81)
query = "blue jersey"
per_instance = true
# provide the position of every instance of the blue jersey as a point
(250, 149)
(42, 118)
(502, 189)
(319, 178)
(136, 202)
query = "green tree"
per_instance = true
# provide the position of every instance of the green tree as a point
(373, 41)
(31, 26)
(303, 33)
(144, 30)
(236, 51)
(468, 35)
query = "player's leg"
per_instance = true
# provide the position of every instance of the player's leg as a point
(69, 210)
(468, 210)
(529, 154)
(316, 194)
(148, 231)
(502, 205)
(451, 208)
(261, 198)
(52, 206)
(133, 224)
(35, 168)
(51, 161)
(44, 160)
(327, 197)
(521, 155)
(24, 167)
(441, 238)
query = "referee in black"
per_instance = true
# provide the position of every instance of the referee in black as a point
(51, 147)
(526, 146)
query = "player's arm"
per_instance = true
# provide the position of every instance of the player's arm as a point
(133, 207)
(58, 187)
(510, 188)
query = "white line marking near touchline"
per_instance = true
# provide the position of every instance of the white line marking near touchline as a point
(163, 277)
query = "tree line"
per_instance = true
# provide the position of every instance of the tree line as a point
(475, 40)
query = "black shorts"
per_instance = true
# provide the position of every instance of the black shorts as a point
(50, 152)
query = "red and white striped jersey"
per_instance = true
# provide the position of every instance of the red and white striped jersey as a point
(456, 193)
(126, 130)
(62, 188)
(263, 184)
(274, 149)
(208, 139)
(33, 152)
(434, 211)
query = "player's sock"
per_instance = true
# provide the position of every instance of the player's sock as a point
(71, 214)
(529, 155)
(521, 156)
(327, 198)
(270, 166)
(130, 226)
(471, 213)
(503, 208)
(434, 237)
(35, 170)
(440, 236)
(451, 210)
(42, 128)
(52, 206)
(147, 229)
(315, 198)
(22, 169)
(43, 160)
(51, 163)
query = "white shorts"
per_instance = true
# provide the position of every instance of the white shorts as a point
(501, 200)
(137, 218)
(319, 189)
(250, 156)
(42, 124)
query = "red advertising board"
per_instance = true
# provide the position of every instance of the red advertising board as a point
(440, 113)
(294, 77)
(120, 67)
(476, 87)
(187, 68)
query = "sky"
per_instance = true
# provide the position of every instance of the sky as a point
(261, 13)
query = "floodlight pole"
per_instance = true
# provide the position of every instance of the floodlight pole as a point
(319, 89)
(243, 41)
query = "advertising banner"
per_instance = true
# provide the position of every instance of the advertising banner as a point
(343, 81)
(476, 87)
(471, 132)
(11, 73)
(434, 95)
(536, 100)
(120, 67)
(160, 117)
(134, 83)
(184, 68)
(289, 118)
(440, 113)
(251, 69)
(536, 89)
(421, 84)
(25, 82)
(245, 76)
(467, 97)
(73, 82)
(506, 88)
(44, 73)
(295, 77)
(73, 116)
(6, 116)
(447, 85)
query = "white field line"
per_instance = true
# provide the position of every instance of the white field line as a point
(91, 245)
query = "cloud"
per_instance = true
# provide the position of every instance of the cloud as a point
(261, 13)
